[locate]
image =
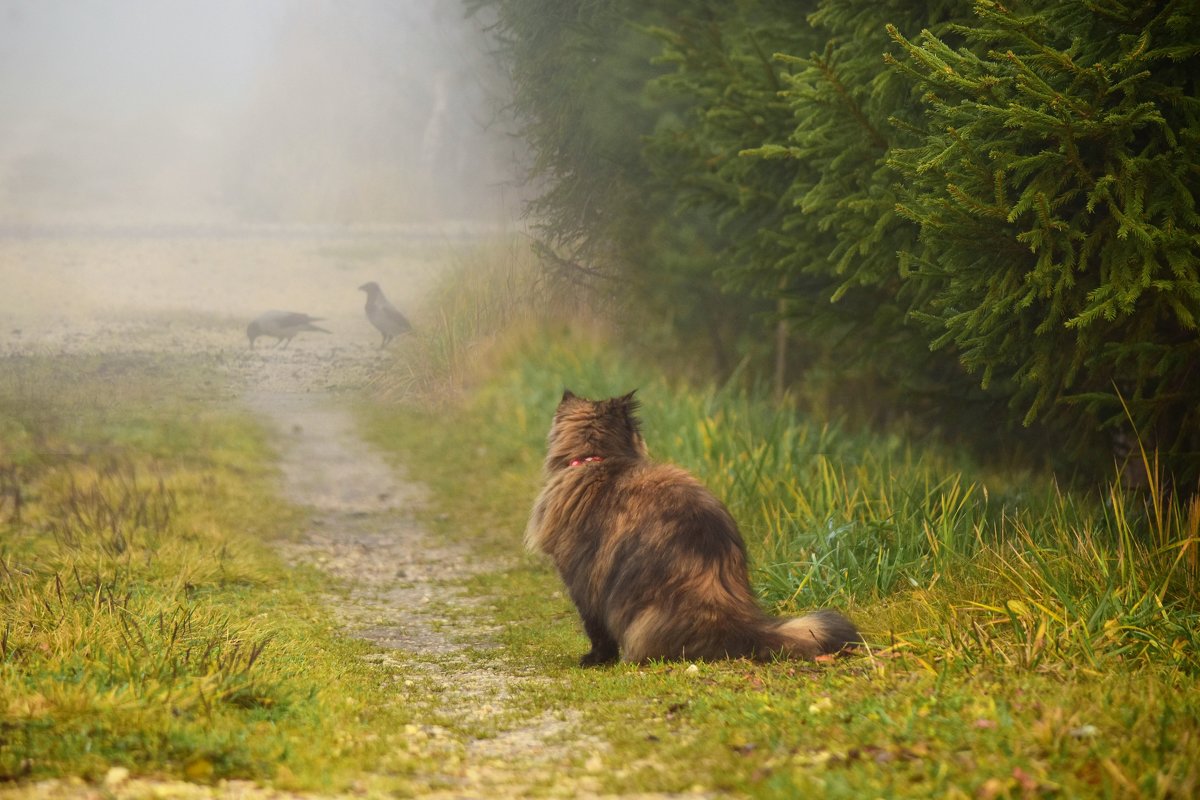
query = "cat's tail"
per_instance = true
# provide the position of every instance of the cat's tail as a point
(818, 633)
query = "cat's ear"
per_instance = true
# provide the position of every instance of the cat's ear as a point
(567, 395)
(627, 405)
(629, 402)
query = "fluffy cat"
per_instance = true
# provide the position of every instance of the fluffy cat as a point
(653, 560)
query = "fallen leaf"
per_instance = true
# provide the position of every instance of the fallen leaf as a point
(115, 776)
(991, 789)
(1027, 781)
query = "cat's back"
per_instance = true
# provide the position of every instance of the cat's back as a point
(671, 499)
(666, 481)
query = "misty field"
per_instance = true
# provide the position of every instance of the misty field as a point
(211, 583)
(913, 288)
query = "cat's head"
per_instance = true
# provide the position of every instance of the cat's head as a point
(594, 429)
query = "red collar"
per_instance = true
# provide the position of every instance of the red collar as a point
(578, 462)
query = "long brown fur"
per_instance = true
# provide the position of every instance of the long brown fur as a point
(652, 560)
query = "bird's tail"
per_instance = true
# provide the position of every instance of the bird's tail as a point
(823, 632)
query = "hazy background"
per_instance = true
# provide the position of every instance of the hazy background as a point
(153, 112)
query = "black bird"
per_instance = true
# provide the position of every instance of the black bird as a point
(283, 325)
(383, 315)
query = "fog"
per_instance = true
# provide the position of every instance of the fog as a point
(166, 163)
(152, 112)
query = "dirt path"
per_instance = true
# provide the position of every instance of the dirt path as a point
(401, 586)
(402, 591)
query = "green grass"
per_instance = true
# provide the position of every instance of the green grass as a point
(145, 620)
(1024, 639)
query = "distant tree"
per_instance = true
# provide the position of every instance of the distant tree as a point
(368, 114)
(583, 74)
(577, 73)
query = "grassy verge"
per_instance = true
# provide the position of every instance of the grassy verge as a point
(1026, 640)
(145, 621)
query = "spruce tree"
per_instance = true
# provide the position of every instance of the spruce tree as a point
(722, 205)
(1055, 189)
(839, 275)
(1000, 211)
